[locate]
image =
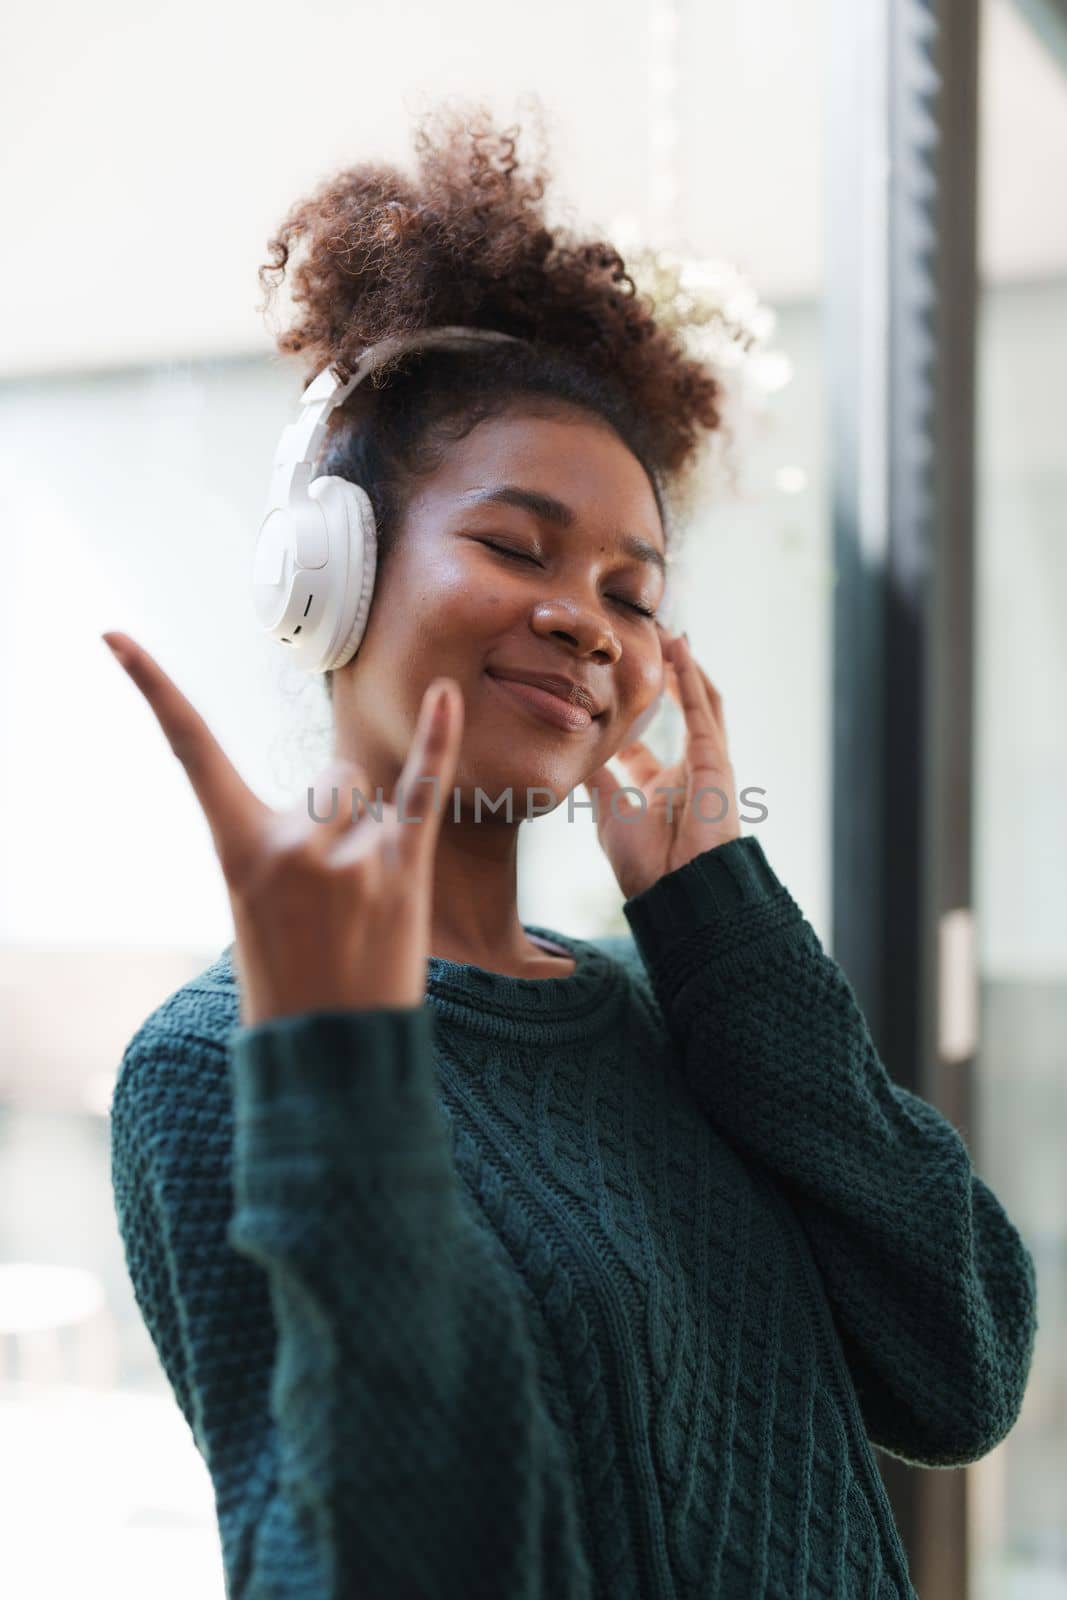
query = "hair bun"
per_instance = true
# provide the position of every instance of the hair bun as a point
(462, 242)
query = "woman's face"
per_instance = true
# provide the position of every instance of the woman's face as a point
(566, 593)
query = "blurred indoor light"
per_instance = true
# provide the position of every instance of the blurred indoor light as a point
(34, 1296)
(791, 480)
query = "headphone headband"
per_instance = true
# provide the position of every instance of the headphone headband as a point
(301, 440)
(328, 382)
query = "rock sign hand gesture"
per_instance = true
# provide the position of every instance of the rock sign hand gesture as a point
(331, 914)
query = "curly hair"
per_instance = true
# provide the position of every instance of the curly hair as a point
(465, 241)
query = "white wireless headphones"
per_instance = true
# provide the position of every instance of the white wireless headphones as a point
(316, 550)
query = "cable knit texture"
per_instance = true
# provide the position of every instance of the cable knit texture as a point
(553, 1289)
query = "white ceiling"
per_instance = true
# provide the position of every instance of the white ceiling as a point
(147, 150)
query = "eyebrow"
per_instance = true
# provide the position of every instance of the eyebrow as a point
(549, 509)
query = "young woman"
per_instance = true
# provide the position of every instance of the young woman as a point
(483, 1259)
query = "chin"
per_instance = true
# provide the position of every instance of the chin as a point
(500, 772)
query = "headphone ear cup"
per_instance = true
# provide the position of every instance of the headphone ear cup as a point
(353, 543)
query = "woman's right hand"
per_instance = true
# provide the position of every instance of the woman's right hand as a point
(327, 915)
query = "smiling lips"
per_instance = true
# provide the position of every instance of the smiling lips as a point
(559, 700)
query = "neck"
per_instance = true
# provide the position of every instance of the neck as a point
(475, 914)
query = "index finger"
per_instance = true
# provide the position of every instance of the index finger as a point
(713, 694)
(226, 800)
(431, 762)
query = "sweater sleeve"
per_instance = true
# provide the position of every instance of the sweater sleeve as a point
(408, 1453)
(932, 1289)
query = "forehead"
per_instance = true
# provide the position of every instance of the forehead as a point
(571, 456)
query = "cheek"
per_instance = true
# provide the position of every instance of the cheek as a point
(412, 601)
(444, 588)
(642, 684)
(426, 618)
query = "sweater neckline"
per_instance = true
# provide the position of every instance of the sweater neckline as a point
(530, 1009)
(523, 1010)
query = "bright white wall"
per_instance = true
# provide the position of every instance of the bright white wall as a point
(147, 151)
(1021, 654)
(134, 499)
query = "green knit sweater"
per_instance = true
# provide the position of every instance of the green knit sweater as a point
(558, 1288)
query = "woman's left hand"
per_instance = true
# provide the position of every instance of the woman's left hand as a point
(643, 842)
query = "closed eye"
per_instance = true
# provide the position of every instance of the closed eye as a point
(522, 555)
(505, 550)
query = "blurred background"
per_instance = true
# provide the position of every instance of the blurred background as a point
(878, 586)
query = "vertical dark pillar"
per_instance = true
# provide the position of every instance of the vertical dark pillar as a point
(900, 325)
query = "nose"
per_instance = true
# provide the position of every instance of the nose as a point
(580, 627)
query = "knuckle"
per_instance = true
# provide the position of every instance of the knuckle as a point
(241, 855)
(401, 842)
(287, 849)
(184, 748)
(295, 854)
(279, 872)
